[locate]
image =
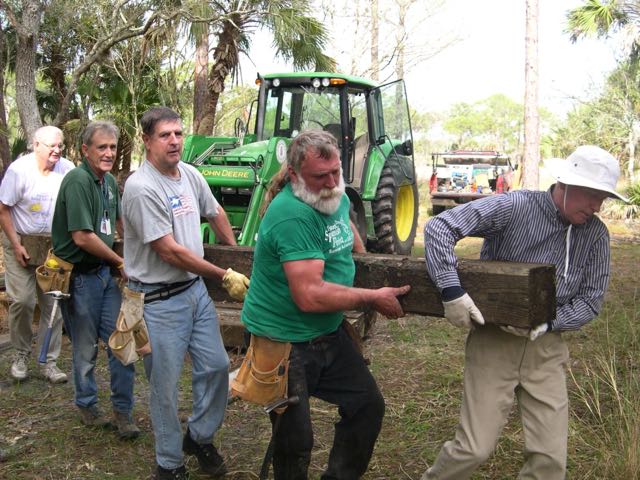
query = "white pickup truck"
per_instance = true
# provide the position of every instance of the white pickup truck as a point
(461, 176)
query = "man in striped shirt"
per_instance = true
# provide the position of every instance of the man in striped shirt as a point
(555, 227)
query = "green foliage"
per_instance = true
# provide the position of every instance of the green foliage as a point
(609, 120)
(633, 192)
(495, 123)
(235, 103)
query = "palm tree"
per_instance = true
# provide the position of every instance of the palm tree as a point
(601, 18)
(297, 37)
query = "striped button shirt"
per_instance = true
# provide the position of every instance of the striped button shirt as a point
(525, 226)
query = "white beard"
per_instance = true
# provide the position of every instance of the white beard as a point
(326, 201)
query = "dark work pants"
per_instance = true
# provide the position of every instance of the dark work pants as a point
(332, 370)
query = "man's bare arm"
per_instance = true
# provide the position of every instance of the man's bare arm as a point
(312, 294)
(6, 222)
(181, 257)
(222, 228)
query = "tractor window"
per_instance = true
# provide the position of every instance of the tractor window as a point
(277, 118)
(395, 111)
(360, 149)
(321, 109)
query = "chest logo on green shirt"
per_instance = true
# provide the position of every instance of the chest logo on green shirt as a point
(339, 236)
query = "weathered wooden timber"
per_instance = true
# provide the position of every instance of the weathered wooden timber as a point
(518, 294)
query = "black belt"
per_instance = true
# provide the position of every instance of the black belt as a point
(87, 267)
(169, 291)
(321, 339)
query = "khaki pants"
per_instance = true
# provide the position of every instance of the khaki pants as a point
(499, 366)
(23, 290)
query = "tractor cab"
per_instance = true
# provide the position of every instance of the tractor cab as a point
(372, 127)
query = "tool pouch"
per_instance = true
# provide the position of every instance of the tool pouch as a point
(131, 329)
(55, 274)
(264, 374)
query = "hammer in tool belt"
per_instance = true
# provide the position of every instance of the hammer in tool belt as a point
(57, 296)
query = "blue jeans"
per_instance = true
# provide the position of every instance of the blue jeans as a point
(332, 370)
(90, 314)
(186, 322)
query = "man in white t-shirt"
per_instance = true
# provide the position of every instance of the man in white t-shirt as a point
(27, 200)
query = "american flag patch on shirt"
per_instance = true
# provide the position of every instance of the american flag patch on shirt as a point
(181, 205)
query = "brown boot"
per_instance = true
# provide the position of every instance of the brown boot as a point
(93, 417)
(127, 429)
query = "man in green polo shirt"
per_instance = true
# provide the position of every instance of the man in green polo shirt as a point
(85, 221)
(301, 282)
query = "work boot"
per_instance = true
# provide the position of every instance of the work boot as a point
(93, 417)
(179, 473)
(19, 369)
(127, 429)
(208, 457)
(52, 373)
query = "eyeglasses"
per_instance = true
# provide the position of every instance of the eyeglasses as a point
(59, 146)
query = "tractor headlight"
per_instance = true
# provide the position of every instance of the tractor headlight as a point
(315, 83)
(325, 82)
(275, 82)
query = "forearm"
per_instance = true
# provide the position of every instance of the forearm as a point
(7, 226)
(91, 243)
(222, 228)
(481, 218)
(576, 314)
(332, 297)
(184, 259)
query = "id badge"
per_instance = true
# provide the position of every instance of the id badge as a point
(105, 225)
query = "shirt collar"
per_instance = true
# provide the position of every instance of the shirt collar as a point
(85, 165)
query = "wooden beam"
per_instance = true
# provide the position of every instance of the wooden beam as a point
(518, 294)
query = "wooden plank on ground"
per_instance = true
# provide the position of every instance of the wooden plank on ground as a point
(518, 294)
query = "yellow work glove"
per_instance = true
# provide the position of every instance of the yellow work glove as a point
(236, 284)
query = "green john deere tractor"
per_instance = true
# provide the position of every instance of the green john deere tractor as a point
(373, 129)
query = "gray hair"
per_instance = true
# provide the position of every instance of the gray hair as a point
(322, 142)
(99, 126)
(154, 115)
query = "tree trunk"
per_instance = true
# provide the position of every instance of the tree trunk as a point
(634, 135)
(531, 160)
(5, 151)
(355, 8)
(27, 32)
(375, 60)
(55, 71)
(225, 61)
(200, 89)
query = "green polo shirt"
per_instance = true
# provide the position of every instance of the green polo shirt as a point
(81, 205)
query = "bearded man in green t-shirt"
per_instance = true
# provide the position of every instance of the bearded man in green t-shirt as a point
(301, 283)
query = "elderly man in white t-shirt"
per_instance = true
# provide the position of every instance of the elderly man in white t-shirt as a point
(27, 200)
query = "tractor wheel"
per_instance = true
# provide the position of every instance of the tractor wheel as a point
(395, 215)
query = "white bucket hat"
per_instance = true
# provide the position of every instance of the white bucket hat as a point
(589, 166)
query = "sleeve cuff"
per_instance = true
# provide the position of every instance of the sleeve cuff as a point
(451, 293)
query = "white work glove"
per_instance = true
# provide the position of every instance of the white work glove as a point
(236, 284)
(538, 331)
(461, 311)
(531, 333)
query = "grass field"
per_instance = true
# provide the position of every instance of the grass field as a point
(418, 363)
